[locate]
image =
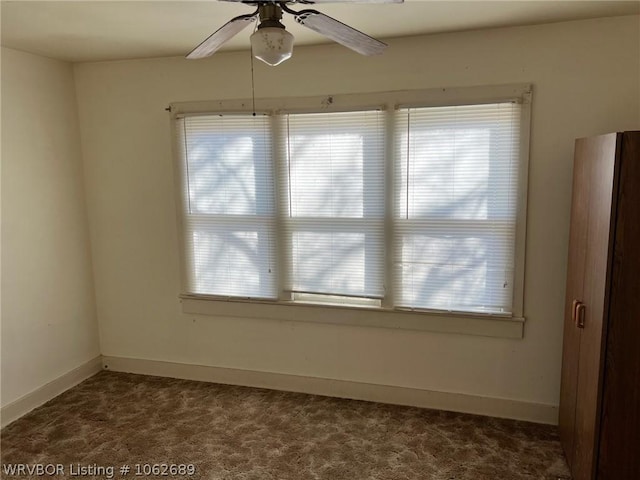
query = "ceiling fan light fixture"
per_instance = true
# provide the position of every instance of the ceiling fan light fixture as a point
(272, 45)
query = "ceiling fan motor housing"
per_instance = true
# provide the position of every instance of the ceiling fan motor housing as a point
(270, 15)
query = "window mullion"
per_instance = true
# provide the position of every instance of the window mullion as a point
(389, 196)
(280, 142)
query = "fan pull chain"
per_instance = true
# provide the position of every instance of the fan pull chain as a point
(253, 84)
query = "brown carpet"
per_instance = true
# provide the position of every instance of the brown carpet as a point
(239, 433)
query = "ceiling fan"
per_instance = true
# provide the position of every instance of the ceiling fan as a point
(272, 44)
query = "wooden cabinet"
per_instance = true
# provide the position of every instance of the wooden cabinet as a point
(600, 392)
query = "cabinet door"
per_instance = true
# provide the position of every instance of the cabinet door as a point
(575, 280)
(620, 419)
(600, 154)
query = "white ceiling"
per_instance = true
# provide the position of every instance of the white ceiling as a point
(81, 31)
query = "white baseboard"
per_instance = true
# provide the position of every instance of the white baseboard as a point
(456, 402)
(28, 402)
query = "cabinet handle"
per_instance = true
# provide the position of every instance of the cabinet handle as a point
(580, 311)
(574, 305)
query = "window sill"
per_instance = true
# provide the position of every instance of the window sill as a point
(470, 324)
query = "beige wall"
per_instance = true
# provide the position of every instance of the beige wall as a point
(585, 76)
(48, 310)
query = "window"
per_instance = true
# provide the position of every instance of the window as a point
(229, 220)
(334, 218)
(403, 206)
(455, 209)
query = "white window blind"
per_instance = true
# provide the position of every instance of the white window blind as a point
(229, 223)
(334, 219)
(456, 192)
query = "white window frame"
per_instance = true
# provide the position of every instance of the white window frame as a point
(485, 324)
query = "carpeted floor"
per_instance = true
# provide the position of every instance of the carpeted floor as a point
(238, 433)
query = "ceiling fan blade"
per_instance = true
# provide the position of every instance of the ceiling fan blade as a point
(220, 36)
(339, 32)
(253, 2)
(345, 1)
